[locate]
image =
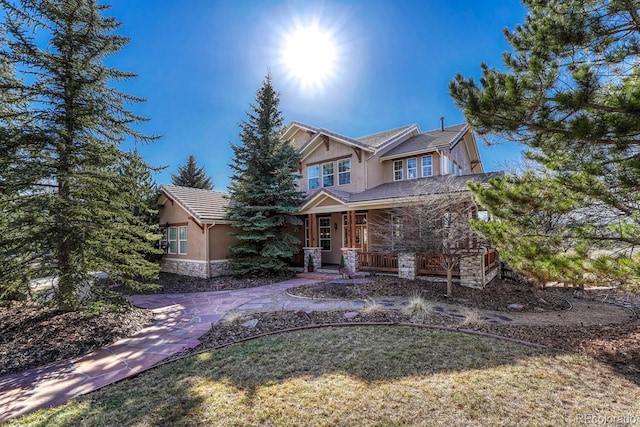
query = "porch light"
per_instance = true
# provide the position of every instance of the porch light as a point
(335, 226)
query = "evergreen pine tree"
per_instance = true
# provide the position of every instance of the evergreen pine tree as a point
(74, 211)
(14, 267)
(263, 192)
(571, 94)
(192, 175)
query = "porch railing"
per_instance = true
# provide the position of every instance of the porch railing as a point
(371, 261)
(431, 265)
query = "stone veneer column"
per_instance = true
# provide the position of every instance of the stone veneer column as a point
(350, 260)
(407, 266)
(472, 269)
(316, 256)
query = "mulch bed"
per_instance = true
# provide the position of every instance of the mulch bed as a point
(497, 295)
(176, 284)
(31, 337)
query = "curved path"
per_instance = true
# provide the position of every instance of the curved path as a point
(180, 319)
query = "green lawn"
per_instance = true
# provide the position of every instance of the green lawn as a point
(360, 376)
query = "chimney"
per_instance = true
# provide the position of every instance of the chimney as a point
(442, 123)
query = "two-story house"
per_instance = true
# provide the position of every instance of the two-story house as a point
(348, 182)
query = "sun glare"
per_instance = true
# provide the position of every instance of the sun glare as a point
(309, 56)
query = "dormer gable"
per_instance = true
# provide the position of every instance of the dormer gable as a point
(440, 139)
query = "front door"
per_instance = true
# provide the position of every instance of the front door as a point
(362, 239)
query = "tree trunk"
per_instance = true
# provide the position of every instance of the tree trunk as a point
(450, 281)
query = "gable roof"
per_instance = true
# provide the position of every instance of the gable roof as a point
(381, 138)
(429, 140)
(205, 206)
(369, 143)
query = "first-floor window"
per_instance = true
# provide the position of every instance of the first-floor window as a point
(306, 233)
(324, 233)
(397, 170)
(163, 240)
(396, 226)
(313, 175)
(172, 239)
(412, 168)
(182, 240)
(176, 240)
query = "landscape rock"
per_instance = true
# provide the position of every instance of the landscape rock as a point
(250, 323)
(351, 314)
(515, 307)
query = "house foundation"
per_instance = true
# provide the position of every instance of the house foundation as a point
(184, 267)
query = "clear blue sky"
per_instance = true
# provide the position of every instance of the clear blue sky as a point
(200, 63)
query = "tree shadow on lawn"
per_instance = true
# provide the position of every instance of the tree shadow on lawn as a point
(364, 357)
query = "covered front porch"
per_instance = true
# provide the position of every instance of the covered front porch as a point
(334, 231)
(334, 228)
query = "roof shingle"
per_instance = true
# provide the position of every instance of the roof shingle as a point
(203, 205)
(431, 139)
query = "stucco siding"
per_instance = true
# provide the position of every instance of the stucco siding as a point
(175, 215)
(336, 151)
(219, 241)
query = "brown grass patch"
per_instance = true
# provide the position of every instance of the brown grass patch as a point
(359, 376)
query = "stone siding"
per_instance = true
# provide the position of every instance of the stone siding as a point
(350, 260)
(219, 268)
(184, 267)
(472, 269)
(316, 256)
(407, 266)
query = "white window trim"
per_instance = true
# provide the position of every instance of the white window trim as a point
(306, 232)
(401, 170)
(309, 178)
(320, 238)
(169, 240)
(415, 175)
(332, 174)
(344, 173)
(430, 166)
(186, 234)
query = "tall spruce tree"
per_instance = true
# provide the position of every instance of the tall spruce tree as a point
(14, 268)
(571, 94)
(192, 175)
(73, 211)
(263, 190)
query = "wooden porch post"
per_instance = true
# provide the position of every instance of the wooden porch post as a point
(313, 231)
(352, 229)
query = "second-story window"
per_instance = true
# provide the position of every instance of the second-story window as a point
(314, 177)
(412, 168)
(398, 170)
(427, 166)
(344, 171)
(327, 174)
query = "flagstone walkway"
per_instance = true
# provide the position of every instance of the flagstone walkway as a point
(180, 319)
